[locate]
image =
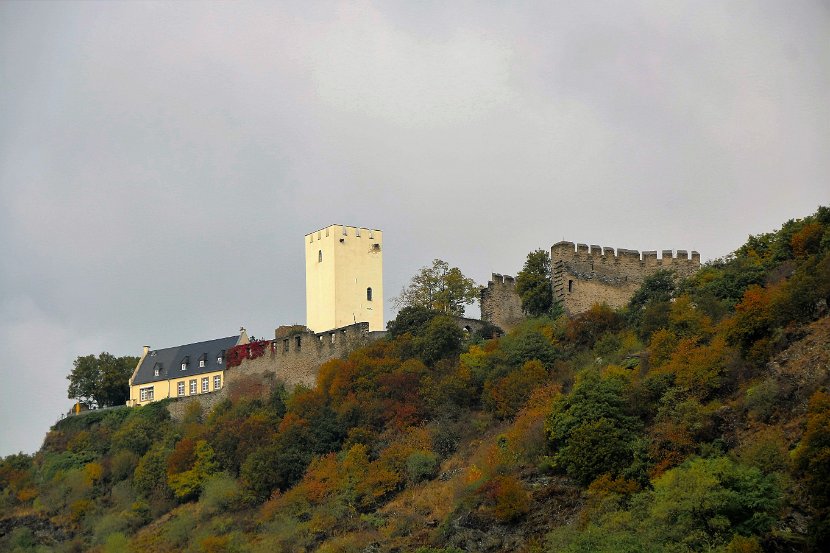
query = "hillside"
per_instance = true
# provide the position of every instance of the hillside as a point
(695, 419)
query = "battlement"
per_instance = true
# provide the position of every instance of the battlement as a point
(344, 230)
(568, 251)
(584, 275)
(497, 279)
(500, 304)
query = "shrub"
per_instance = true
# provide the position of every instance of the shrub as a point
(150, 477)
(123, 465)
(504, 498)
(761, 398)
(220, 492)
(507, 395)
(590, 430)
(420, 466)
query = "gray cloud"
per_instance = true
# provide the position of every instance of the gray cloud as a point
(160, 163)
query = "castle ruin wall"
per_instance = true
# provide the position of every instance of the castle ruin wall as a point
(585, 275)
(500, 303)
(293, 357)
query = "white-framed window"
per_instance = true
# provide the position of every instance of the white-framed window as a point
(201, 363)
(219, 360)
(146, 394)
(217, 381)
(156, 371)
(193, 387)
(205, 384)
(180, 388)
(184, 366)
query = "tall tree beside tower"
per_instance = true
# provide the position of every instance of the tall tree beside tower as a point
(533, 284)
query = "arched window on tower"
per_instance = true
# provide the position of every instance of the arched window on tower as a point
(369, 294)
(319, 256)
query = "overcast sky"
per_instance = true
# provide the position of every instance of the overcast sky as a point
(161, 162)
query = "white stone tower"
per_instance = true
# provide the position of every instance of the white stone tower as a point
(344, 278)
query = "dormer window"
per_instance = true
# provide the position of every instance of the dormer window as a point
(185, 363)
(203, 361)
(219, 358)
(157, 369)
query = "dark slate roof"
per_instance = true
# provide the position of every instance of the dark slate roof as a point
(169, 360)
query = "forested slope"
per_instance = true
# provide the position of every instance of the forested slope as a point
(696, 419)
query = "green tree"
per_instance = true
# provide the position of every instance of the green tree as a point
(441, 339)
(591, 430)
(440, 288)
(412, 319)
(101, 380)
(188, 484)
(704, 502)
(533, 284)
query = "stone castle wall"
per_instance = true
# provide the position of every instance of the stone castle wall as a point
(293, 357)
(500, 304)
(584, 275)
(296, 353)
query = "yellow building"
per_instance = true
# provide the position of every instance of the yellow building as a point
(181, 371)
(344, 278)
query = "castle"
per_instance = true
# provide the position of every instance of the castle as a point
(344, 310)
(583, 275)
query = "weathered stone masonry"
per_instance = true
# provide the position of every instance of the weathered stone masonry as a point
(584, 275)
(500, 304)
(296, 353)
(293, 358)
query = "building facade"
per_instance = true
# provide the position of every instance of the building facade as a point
(181, 371)
(344, 278)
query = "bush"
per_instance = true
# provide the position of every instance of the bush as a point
(505, 396)
(220, 493)
(505, 499)
(761, 398)
(420, 466)
(150, 477)
(123, 465)
(590, 430)
(179, 529)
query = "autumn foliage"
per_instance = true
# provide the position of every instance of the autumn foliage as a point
(676, 424)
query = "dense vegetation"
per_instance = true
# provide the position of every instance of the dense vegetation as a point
(697, 419)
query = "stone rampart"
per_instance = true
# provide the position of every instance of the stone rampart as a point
(500, 303)
(293, 357)
(584, 275)
(178, 406)
(296, 353)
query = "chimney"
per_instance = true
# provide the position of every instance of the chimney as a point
(146, 350)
